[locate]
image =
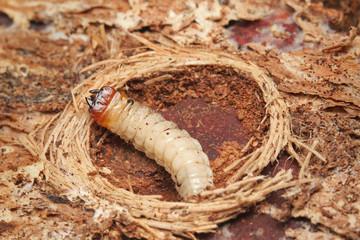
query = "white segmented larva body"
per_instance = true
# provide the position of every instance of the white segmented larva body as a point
(159, 139)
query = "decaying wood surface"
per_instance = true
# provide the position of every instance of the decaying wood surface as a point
(300, 101)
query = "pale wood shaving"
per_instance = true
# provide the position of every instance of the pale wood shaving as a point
(307, 159)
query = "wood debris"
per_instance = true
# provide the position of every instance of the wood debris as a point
(301, 69)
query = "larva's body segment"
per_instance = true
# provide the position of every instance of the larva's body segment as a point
(159, 139)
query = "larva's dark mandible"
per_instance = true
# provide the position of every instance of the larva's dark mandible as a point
(159, 139)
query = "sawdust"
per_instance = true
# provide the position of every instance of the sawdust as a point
(306, 233)
(223, 87)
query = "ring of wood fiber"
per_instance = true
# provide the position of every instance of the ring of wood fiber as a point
(65, 146)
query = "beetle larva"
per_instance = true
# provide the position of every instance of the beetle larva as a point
(159, 139)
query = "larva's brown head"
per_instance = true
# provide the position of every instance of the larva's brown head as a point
(99, 101)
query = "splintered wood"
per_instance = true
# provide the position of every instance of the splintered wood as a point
(294, 88)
